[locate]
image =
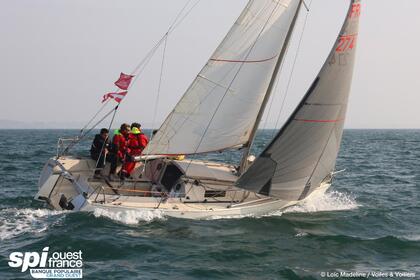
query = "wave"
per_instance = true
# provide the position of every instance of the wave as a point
(130, 217)
(15, 222)
(321, 202)
(410, 237)
(386, 241)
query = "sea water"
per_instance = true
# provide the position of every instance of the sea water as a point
(369, 221)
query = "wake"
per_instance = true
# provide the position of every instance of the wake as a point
(326, 202)
(15, 222)
(130, 217)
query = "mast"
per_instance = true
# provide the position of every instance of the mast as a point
(247, 146)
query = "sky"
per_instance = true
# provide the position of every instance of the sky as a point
(58, 57)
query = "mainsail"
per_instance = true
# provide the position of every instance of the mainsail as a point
(220, 108)
(304, 152)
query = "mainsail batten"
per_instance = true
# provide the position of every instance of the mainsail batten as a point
(219, 109)
(304, 152)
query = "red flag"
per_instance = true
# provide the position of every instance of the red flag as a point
(124, 81)
(117, 96)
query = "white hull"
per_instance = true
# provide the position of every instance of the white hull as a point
(71, 178)
(258, 209)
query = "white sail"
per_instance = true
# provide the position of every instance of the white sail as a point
(219, 109)
(304, 152)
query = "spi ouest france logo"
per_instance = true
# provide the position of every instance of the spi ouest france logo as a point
(49, 265)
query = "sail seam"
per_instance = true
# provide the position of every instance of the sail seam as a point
(215, 83)
(243, 61)
(319, 121)
(324, 104)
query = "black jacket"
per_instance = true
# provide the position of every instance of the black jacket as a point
(97, 145)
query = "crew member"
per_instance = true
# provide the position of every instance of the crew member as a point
(136, 124)
(119, 147)
(135, 146)
(99, 150)
(138, 136)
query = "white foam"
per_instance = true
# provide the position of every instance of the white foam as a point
(301, 234)
(229, 217)
(130, 217)
(325, 202)
(411, 237)
(15, 222)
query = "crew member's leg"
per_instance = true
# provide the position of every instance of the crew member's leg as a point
(100, 164)
(113, 158)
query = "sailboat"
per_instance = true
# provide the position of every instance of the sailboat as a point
(222, 110)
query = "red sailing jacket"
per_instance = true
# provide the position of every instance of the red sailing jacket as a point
(120, 145)
(137, 143)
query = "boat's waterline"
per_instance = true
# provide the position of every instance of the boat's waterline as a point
(203, 210)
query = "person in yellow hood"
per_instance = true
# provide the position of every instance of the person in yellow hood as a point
(135, 146)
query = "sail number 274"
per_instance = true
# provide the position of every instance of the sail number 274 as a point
(347, 42)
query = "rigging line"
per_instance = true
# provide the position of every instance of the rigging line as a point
(175, 24)
(94, 117)
(186, 14)
(162, 66)
(103, 145)
(71, 145)
(149, 55)
(272, 100)
(179, 14)
(275, 91)
(234, 78)
(306, 6)
(144, 62)
(146, 59)
(171, 28)
(293, 69)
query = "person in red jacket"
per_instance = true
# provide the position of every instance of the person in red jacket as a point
(135, 146)
(119, 147)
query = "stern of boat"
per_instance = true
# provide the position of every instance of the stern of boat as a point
(59, 188)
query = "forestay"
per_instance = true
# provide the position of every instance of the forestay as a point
(219, 109)
(304, 152)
